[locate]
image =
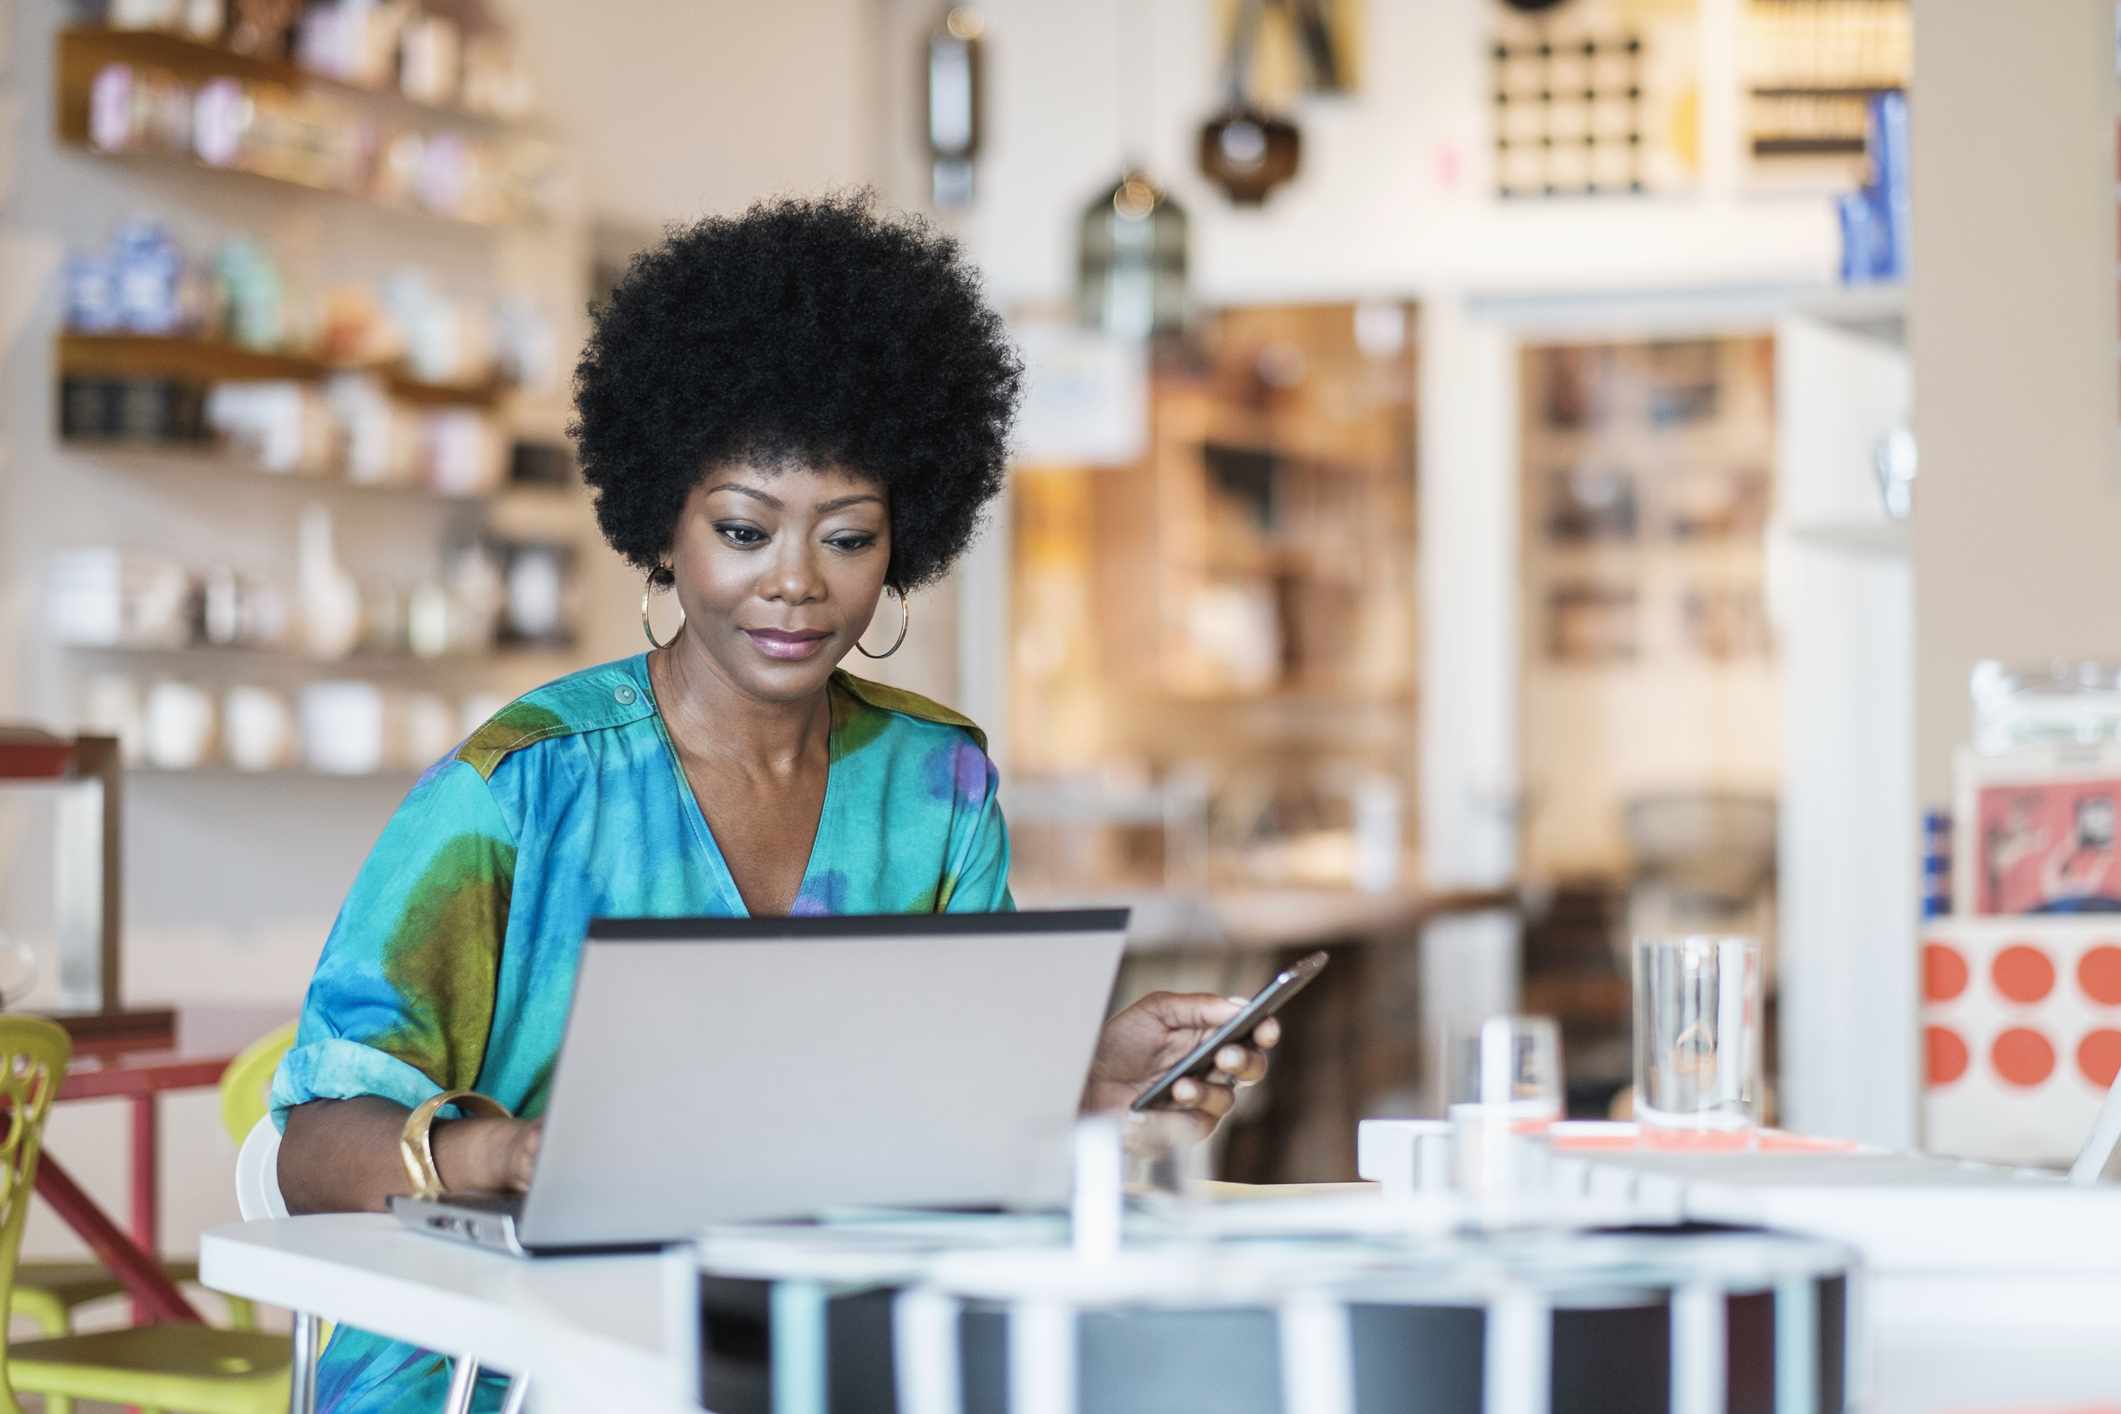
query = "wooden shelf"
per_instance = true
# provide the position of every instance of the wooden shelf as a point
(1889, 540)
(1584, 997)
(1809, 146)
(222, 772)
(213, 361)
(148, 458)
(1325, 697)
(1876, 310)
(1843, 90)
(171, 162)
(98, 45)
(352, 663)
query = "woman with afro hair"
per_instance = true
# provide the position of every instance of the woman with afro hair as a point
(785, 416)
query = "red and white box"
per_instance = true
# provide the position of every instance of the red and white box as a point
(2038, 832)
(2021, 1034)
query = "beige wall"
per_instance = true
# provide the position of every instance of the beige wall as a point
(683, 109)
(2018, 508)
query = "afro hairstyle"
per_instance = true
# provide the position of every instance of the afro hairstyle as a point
(801, 333)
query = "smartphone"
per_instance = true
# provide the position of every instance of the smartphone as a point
(1271, 998)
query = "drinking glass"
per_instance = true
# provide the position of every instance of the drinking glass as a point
(1697, 1037)
(1503, 1082)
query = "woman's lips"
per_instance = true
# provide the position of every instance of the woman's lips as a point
(788, 647)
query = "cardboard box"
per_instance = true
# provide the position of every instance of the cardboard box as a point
(2021, 1034)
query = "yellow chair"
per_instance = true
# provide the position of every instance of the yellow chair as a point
(175, 1367)
(48, 1293)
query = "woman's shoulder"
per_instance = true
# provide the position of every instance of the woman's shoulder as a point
(601, 698)
(887, 707)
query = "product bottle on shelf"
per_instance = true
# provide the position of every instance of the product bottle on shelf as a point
(330, 600)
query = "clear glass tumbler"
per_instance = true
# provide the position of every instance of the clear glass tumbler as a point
(1503, 1082)
(1698, 1034)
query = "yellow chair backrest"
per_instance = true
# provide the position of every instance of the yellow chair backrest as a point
(246, 1085)
(33, 1056)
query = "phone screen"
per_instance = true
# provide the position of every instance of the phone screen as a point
(1269, 1000)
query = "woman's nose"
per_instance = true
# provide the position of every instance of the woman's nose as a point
(793, 577)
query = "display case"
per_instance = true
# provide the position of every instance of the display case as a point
(1230, 622)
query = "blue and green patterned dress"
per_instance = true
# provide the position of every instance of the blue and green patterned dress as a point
(451, 964)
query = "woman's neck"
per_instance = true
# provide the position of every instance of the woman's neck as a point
(712, 719)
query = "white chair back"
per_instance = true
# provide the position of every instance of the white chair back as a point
(258, 1173)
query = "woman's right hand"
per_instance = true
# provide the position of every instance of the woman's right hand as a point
(482, 1155)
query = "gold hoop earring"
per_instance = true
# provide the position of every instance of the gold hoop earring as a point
(661, 577)
(905, 622)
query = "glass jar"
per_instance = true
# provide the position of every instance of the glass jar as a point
(2066, 702)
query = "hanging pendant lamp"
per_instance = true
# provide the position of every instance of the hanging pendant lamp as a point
(951, 63)
(1248, 153)
(1244, 149)
(1132, 239)
(1131, 259)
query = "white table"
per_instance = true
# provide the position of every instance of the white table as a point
(1982, 1288)
(590, 1332)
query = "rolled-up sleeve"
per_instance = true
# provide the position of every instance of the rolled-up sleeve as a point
(977, 877)
(403, 997)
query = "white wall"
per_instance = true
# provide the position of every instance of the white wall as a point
(2018, 506)
(1377, 208)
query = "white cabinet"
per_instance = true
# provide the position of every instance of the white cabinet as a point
(1840, 593)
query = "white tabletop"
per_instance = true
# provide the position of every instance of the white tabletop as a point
(1983, 1287)
(591, 1332)
(1905, 1213)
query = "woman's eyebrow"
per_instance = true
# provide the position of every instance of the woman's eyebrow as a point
(753, 493)
(841, 503)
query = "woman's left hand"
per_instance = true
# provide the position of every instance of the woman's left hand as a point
(1154, 1034)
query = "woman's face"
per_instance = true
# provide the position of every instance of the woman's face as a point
(778, 572)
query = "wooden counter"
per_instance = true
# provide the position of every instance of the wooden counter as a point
(1270, 920)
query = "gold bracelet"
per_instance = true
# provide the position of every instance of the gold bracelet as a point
(416, 1140)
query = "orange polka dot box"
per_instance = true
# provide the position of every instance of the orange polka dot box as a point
(2021, 1034)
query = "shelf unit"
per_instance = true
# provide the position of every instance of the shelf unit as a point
(507, 228)
(85, 51)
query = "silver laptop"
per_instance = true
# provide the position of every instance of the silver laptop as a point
(727, 1069)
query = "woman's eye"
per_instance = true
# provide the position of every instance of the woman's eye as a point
(743, 536)
(851, 543)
